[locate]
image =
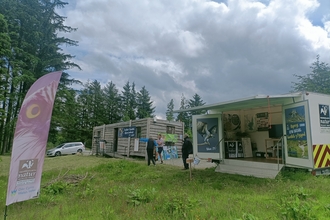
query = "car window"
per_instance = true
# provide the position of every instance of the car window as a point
(59, 146)
(68, 145)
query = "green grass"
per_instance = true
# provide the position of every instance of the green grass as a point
(89, 187)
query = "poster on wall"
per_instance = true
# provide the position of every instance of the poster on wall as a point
(296, 132)
(250, 123)
(231, 125)
(207, 135)
(262, 121)
(127, 132)
(169, 152)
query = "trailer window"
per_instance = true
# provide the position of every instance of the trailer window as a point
(170, 130)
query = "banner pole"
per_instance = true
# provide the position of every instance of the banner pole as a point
(5, 215)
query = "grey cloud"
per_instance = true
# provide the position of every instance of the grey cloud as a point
(220, 51)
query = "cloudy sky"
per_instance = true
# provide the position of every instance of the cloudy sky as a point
(221, 50)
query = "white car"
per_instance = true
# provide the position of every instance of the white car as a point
(66, 148)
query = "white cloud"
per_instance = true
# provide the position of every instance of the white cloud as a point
(219, 50)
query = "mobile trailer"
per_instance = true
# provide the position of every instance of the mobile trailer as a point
(258, 136)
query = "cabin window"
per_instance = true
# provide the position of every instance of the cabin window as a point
(170, 130)
(138, 132)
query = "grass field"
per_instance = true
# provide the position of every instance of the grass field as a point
(89, 187)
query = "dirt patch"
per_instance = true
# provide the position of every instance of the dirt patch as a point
(72, 179)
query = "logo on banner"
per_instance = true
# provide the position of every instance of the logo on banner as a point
(27, 172)
(324, 115)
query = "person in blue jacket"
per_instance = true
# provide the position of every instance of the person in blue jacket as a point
(151, 145)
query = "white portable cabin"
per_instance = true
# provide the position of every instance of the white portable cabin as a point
(260, 135)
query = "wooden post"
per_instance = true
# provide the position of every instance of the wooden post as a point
(190, 160)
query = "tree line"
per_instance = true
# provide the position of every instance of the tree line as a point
(30, 47)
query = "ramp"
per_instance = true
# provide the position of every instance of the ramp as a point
(250, 168)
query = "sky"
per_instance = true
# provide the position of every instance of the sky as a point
(221, 50)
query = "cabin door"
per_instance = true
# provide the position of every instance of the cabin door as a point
(115, 140)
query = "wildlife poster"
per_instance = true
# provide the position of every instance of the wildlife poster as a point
(207, 135)
(296, 132)
(30, 139)
(250, 123)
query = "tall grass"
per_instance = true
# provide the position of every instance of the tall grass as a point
(91, 187)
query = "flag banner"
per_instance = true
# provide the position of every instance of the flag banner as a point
(30, 140)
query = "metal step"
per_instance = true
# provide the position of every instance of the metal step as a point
(248, 168)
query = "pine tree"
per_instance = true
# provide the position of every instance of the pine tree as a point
(112, 103)
(183, 116)
(144, 104)
(194, 102)
(128, 111)
(169, 111)
(5, 54)
(34, 29)
(133, 102)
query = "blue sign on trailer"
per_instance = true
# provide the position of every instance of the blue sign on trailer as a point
(127, 132)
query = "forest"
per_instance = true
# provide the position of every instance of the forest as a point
(31, 42)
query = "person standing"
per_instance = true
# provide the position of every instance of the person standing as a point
(151, 145)
(150, 151)
(187, 148)
(160, 143)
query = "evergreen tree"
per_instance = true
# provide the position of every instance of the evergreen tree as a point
(97, 107)
(112, 103)
(144, 105)
(317, 81)
(133, 102)
(5, 54)
(183, 116)
(128, 102)
(35, 49)
(66, 109)
(84, 101)
(194, 102)
(169, 111)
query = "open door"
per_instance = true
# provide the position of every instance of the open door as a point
(298, 149)
(208, 136)
(115, 140)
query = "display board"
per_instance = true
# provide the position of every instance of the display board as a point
(247, 148)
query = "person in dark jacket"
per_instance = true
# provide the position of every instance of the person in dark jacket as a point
(151, 144)
(187, 149)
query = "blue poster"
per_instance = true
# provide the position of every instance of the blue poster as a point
(127, 132)
(296, 132)
(169, 152)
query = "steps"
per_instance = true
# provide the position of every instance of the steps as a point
(250, 168)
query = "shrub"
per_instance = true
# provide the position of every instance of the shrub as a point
(56, 188)
(138, 196)
(180, 206)
(297, 205)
